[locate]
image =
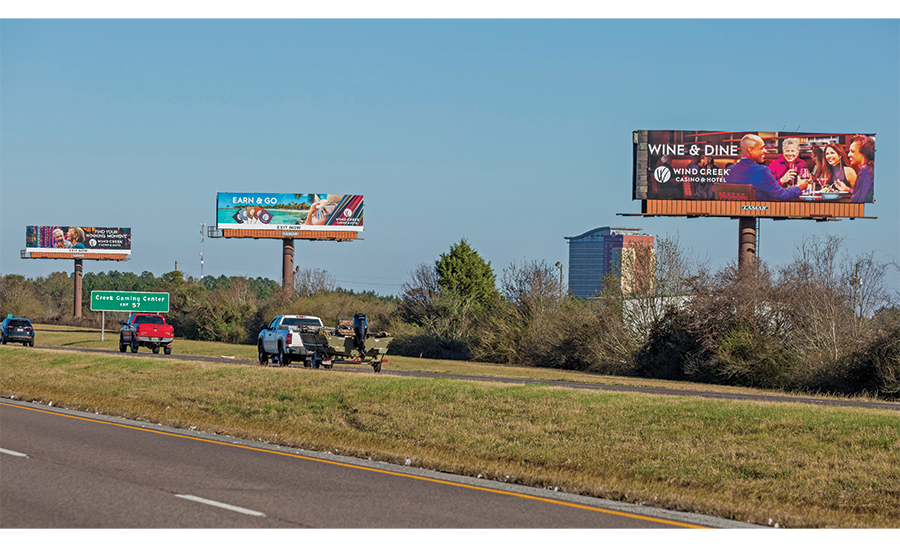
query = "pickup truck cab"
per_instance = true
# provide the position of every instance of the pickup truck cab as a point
(146, 329)
(282, 339)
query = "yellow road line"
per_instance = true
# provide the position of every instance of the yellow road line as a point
(370, 469)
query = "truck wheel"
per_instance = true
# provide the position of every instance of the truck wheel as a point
(168, 350)
(122, 346)
(134, 345)
(156, 350)
(283, 358)
(3, 340)
(263, 356)
(31, 344)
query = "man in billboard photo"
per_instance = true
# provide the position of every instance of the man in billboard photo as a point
(789, 166)
(59, 239)
(862, 158)
(752, 170)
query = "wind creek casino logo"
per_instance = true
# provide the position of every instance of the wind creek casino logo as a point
(662, 174)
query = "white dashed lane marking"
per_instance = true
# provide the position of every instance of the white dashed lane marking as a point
(222, 505)
(13, 453)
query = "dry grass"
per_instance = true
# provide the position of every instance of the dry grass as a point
(802, 466)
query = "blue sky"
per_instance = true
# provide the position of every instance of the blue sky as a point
(512, 134)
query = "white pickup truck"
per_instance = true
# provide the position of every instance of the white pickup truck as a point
(282, 339)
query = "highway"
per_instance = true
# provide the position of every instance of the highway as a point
(70, 469)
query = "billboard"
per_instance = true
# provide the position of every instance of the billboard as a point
(78, 239)
(754, 166)
(289, 211)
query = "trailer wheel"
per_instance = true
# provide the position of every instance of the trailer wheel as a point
(377, 366)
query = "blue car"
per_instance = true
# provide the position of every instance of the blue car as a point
(17, 330)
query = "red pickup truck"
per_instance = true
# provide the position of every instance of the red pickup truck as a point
(146, 329)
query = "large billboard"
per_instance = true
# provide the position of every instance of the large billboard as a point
(289, 211)
(754, 166)
(77, 240)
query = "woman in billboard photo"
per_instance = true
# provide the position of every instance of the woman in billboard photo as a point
(75, 236)
(862, 158)
(818, 163)
(837, 168)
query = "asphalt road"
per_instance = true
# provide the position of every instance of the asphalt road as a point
(69, 469)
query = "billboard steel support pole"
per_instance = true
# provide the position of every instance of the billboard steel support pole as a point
(287, 264)
(79, 269)
(746, 242)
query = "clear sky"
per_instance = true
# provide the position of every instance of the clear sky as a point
(512, 134)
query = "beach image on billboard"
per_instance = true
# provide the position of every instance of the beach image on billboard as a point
(78, 239)
(277, 211)
(754, 166)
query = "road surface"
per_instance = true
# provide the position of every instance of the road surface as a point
(69, 469)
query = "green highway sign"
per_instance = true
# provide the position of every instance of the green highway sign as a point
(115, 300)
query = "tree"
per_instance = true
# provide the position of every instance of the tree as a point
(55, 292)
(464, 273)
(17, 297)
(313, 280)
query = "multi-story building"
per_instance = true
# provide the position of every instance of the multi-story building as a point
(603, 251)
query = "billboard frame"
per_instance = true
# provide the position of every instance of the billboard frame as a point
(695, 208)
(287, 237)
(78, 257)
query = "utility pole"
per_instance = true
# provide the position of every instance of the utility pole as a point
(561, 288)
(202, 231)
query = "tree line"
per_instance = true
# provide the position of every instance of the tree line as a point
(826, 322)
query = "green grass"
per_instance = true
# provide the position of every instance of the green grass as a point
(75, 337)
(90, 338)
(801, 465)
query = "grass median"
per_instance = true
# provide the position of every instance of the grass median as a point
(88, 338)
(798, 465)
